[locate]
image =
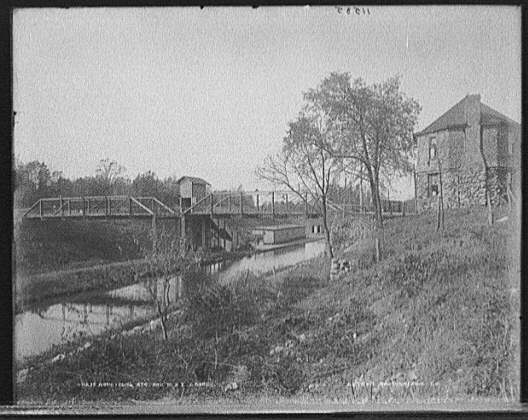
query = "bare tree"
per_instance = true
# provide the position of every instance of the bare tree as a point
(167, 261)
(440, 214)
(304, 166)
(108, 172)
(486, 179)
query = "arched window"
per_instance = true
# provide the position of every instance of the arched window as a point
(432, 148)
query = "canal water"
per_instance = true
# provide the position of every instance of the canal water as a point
(88, 314)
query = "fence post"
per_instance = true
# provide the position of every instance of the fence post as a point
(40, 208)
(273, 203)
(287, 204)
(241, 203)
(61, 205)
(258, 205)
(306, 204)
(182, 227)
(154, 233)
(415, 192)
(130, 206)
(211, 210)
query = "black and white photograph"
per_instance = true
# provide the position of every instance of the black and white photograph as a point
(266, 209)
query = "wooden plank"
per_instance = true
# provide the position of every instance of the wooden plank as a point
(142, 206)
(164, 206)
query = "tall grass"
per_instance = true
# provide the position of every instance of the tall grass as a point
(434, 319)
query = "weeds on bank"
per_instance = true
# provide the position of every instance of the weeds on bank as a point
(431, 320)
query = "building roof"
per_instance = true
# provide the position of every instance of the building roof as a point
(490, 116)
(193, 179)
(455, 117)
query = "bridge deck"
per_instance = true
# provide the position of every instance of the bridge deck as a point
(218, 205)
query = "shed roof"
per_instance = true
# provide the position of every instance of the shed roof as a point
(455, 117)
(193, 179)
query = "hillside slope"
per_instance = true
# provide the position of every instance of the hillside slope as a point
(434, 320)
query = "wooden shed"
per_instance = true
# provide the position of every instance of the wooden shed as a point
(192, 189)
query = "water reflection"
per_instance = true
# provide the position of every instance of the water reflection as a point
(89, 314)
(36, 332)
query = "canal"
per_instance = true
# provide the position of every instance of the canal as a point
(86, 315)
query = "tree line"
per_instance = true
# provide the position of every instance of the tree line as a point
(34, 180)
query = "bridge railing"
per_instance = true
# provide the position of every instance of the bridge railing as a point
(388, 207)
(98, 206)
(251, 203)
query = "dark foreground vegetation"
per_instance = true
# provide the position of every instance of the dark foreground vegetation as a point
(55, 258)
(434, 319)
(54, 245)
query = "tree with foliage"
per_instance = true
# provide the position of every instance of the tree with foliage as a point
(145, 184)
(108, 173)
(304, 166)
(371, 125)
(32, 181)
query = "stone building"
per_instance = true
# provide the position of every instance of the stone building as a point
(455, 146)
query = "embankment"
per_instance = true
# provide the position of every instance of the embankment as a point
(435, 319)
(53, 245)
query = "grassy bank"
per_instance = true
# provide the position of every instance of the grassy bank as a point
(433, 320)
(53, 245)
(39, 288)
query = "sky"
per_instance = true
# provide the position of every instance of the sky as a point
(209, 92)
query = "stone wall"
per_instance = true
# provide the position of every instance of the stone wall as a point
(490, 145)
(498, 179)
(464, 187)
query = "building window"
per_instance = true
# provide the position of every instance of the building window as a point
(432, 148)
(510, 147)
(432, 185)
